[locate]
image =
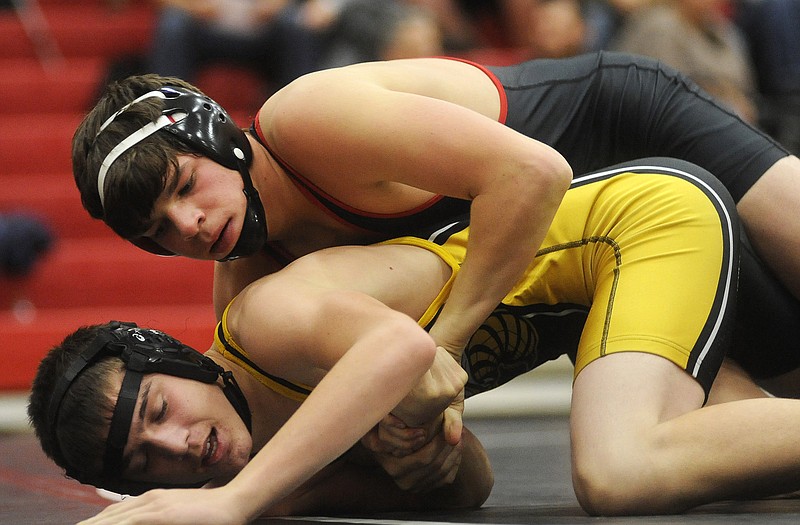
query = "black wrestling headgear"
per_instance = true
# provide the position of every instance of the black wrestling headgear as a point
(207, 128)
(143, 351)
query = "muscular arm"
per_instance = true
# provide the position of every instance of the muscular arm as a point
(405, 140)
(763, 207)
(368, 356)
(316, 323)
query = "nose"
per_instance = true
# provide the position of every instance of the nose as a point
(169, 441)
(186, 219)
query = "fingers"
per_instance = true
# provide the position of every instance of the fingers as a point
(448, 465)
(398, 438)
(391, 436)
(430, 467)
(453, 426)
(129, 510)
(172, 507)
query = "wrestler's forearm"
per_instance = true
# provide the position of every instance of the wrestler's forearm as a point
(355, 394)
(507, 225)
(434, 392)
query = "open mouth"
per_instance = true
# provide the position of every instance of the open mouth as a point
(210, 448)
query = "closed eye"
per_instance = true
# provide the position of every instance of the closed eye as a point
(159, 417)
(186, 188)
(159, 232)
(163, 412)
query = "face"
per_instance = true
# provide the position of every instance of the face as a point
(201, 211)
(184, 431)
(414, 38)
(557, 29)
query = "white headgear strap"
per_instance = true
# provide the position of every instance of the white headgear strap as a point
(133, 139)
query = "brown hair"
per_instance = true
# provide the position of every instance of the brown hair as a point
(77, 443)
(136, 179)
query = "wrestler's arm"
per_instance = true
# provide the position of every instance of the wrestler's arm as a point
(368, 357)
(774, 233)
(355, 485)
(398, 142)
(314, 323)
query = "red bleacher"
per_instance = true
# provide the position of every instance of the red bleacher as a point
(90, 275)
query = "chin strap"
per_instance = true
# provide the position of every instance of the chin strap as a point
(254, 228)
(142, 351)
(236, 398)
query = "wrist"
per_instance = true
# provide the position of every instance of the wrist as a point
(243, 505)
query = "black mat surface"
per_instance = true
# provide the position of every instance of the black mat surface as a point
(532, 486)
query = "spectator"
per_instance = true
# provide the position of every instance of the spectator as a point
(471, 24)
(23, 240)
(268, 36)
(604, 18)
(557, 28)
(695, 37)
(771, 30)
(770, 27)
(366, 30)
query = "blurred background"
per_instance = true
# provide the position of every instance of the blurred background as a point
(60, 269)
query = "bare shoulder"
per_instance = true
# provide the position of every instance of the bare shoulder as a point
(356, 281)
(232, 277)
(301, 320)
(349, 90)
(271, 319)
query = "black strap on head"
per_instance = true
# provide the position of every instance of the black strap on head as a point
(87, 358)
(143, 351)
(208, 129)
(121, 422)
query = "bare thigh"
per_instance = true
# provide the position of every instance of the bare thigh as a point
(617, 403)
(770, 211)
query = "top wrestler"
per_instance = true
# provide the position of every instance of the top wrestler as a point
(375, 150)
(335, 330)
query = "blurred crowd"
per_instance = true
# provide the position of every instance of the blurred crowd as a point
(744, 52)
(24, 239)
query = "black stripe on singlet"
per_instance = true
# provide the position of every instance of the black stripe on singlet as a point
(236, 353)
(393, 225)
(718, 328)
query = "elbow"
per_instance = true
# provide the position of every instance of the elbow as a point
(480, 492)
(416, 346)
(554, 173)
(542, 177)
(423, 349)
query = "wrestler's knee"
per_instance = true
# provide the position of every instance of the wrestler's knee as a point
(620, 480)
(601, 486)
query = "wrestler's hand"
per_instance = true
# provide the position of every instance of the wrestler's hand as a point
(174, 507)
(434, 393)
(433, 465)
(393, 437)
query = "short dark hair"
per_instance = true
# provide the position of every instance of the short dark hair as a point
(79, 440)
(137, 178)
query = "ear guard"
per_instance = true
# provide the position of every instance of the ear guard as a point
(206, 127)
(143, 351)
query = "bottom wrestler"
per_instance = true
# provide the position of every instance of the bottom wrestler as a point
(636, 281)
